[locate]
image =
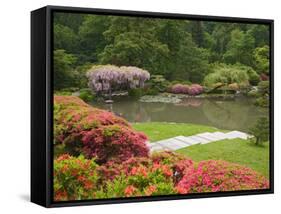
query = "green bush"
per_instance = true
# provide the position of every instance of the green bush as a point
(86, 95)
(260, 130)
(262, 94)
(63, 93)
(253, 93)
(263, 87)
(226, 74)
(262, 101)
(74, 178)
(254, 78)
(157, 83)
(136, 92)
(151, 91)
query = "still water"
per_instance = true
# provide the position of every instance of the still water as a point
(235, 114)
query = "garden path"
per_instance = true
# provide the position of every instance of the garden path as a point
(179, 142)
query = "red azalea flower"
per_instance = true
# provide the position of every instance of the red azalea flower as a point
(129, 191)
(151, 189)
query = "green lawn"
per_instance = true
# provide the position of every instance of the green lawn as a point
(236, 150)
(159, 130)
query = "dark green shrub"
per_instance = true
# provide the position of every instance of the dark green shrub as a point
(158, 84)
(86, 95)
(261, 130)
(263, 87)
(136, 92)
(151, 91)
(253, 93)
(262, 101)
(254, 78)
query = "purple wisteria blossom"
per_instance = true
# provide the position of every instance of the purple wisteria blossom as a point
(106, 78)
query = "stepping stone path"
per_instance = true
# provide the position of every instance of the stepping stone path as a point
(180, 142)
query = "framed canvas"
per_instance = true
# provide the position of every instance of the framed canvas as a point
(131, 106)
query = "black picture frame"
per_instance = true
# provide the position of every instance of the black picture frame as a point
(42, 104)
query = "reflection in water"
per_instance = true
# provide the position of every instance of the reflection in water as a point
(236, 114)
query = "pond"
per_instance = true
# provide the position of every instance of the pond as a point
(233, 114)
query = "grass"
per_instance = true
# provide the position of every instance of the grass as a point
(159, 130)
(236, 150)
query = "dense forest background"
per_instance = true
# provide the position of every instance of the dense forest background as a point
(177, 49)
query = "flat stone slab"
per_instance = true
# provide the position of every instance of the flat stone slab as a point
(172, 144)
(200, 139)
(220, 135)
(237, 134)
(187, 140)
(156, 147)
(209, 136)
(179, 142)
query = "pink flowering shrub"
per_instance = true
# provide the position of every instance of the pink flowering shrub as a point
(163, 173)
(264, 77)
(195, 89)
(217, 176)
(192, 90)
(113, 142)
(179, 89)
(95, 133)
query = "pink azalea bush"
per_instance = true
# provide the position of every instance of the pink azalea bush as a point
(179, 89)
(217, 176)
(192, 90)
(195, 89)
(95, 133)
(162, 173)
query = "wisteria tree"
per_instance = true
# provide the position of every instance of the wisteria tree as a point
(108, 78)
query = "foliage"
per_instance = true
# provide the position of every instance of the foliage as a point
(217, 176)
(175, 49)
(263, 87)
(264, 77)
(158, 83)
(179, 89)
(74, 178)
(261, 55)
(136, 92)
(164, 173)
(260, 130)
(192, 90)
(195, 89)
(262, 94)
(233, 86)
(86, 95)
(240, 48)
(65, 38)
(91, 38)
(64, 74)
(262, 101)
(95, 133)
(254, 78)
(226, 74)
